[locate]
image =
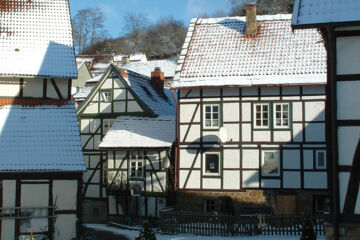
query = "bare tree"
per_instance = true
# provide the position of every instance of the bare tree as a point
(263, 6)
(88, 28)
(135, 25)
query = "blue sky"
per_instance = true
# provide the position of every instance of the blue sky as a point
(115, 10)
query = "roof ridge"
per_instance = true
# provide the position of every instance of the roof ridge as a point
(242, 18)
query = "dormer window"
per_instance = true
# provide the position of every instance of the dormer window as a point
(106, 95)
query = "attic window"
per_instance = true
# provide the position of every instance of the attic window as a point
(106, 96)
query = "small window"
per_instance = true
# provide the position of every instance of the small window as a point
(209, 205)
(270, 163)
(212, 116)
(107, 123)
(321, 204)
(106, 96)
(136, 165)
(281, 115)
(212, 164)
(261, 115)
(321, 159)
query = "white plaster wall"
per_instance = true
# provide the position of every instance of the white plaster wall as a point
(119, 94)
(63, 85)
(119, 106)
(261, 136)
(357, 204)
(315, 180)
(133, 106)
(282, 136)
(129, 95)
(230, 112)
(187, 158)
(34, 88)
(232, 132)
(343, 182)
(246, 111)
(250, 179)
(105, 107)
(65, 227)
(151, 206)
(97, 140)
(297, 112)
(210, 136)
(148, 185)
(315, 132)
(348, 138)
(9, 87)
(162, 179)
(193, 135)
(231, 92)
(310, 90)
(308, 159)
(84, 139)
(9, 193)
(112, 204)
(291, 90)
(85, 126)
(348, 55)
(187, 111)
(118, 83)
(315, 111)
(212, 183)
(91, 108)
(250, 158)
(273, 91)
(246, 132)
(231, 158)
(231, 179)
(194, 93)
(107, 84)
(291, 179)
(249, 91)
(297, 132)
(194, 179)
(93, 191)
(34, 195)
(347, 107)
(7, 229)
(212, 92)
(65, 193)
(270, 183)
(291, 159)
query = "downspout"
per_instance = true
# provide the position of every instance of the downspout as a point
(176, 141)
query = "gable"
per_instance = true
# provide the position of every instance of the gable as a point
(113, 97)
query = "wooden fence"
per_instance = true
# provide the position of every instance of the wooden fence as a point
(211, 224)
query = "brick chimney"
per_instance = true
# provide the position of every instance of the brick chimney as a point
(251, 24)
(157, 80)
(125, 59)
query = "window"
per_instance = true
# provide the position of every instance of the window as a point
(209, 205)
(136, 165)
(211, 164)
(321, 204)
(270, 162)
(261, 115)
(281, 115)
(212, 116)
(321, 159)
(106, 95)
(107, 123)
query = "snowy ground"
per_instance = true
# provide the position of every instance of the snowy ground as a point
(131, 234)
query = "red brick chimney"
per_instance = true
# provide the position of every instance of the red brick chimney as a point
(157, 80)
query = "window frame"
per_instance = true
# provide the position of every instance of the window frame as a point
(103, 97)
(274, 116)
(204, 173)
(219, 116)
(262, 162)
(316, 160)
(136, 160)
(255, 127)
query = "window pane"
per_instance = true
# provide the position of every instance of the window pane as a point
(271, 163)
(265, 108)
(139, 155)
(258, 108)
(258, 115)
(212, 163)
(215, 116)
(278, 108)
(278, 115)
(208, 116)
(215, 123)
(286, 122)
(208, 109)
(215, 108)
(285, 107)
(278, 122)
(208, 123)
(265, 115)
(133, 155)
(285, 114)
(265, 122)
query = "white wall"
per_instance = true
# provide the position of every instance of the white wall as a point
(348, 55)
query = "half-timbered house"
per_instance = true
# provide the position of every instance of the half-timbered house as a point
(41, 162)
(339, 22)
(264, 87)
(139, 113)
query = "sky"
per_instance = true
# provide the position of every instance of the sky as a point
(154, 10)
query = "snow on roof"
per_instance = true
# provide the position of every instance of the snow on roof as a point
(40, 139)
(94, 79)
(145, 68)
(83, 92)
(311, 13)
(132, 58)
(216, 52)
(137, 132)
(36, 39)
(84, 59)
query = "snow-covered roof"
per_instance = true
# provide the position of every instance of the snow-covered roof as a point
(83, 92)
(40, 139)
(145, 68)
(216, 52)
(314, 13)
(36, 39)
(132, 58)
(84, 59)
(94, 79)
(136, 132)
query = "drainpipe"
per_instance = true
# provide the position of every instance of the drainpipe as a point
(176, 141)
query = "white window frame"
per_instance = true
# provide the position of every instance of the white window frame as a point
(261, 114)
(317, 160)
(137, 160)
(109, 122)
(211, 116)
(204, 164)
(263, 151)
(281, 117)
(104, 97)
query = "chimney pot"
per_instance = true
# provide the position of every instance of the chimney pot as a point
(251, 24)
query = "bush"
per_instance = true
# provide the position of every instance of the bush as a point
(146, 233)
(308, 230)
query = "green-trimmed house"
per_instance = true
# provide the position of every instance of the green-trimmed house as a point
(127, 130)
(83, 75)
